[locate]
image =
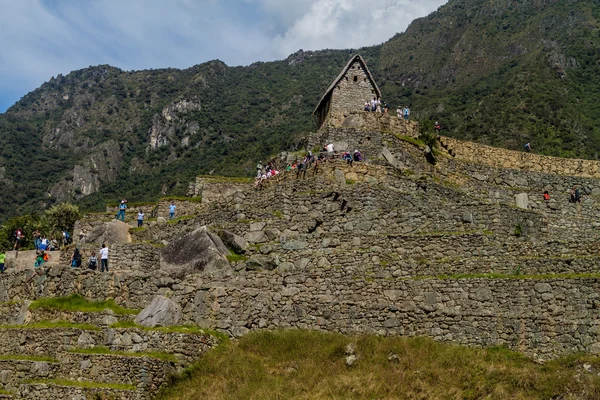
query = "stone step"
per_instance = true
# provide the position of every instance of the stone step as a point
(187, 347)
(18, 313)
(143, 371)
(14, 371)
(54, 391)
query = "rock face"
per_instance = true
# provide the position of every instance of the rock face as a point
(112, 232)
(196, 251)
(161, 312)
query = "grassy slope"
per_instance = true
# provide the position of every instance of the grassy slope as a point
(311, 365)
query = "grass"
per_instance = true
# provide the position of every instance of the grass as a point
(88, 385)
(183, 218)
(25, 357)
(6, 392)
(236, 257)
(76, 302)
(196, 199)
(311, 365)
(53, 325)
(414, 141)
(106, 350)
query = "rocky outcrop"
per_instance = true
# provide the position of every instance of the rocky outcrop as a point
(99, 167)
(197, 251)
(161, 312)
(111, 232)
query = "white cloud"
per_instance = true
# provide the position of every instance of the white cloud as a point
(42, 38)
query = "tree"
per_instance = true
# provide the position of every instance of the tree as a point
(62, 217)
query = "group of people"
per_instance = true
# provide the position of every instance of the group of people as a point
(376, 105)
(350, 158)
(40, 241)
(76, 259)
(140, 215)
(574, 195)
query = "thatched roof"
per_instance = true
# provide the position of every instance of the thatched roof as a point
(341, 76)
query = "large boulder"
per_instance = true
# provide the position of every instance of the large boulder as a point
(197, 251)
(112, 232)
(161, 312)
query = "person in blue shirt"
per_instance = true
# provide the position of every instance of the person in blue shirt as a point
(122, 208)
(172, 208)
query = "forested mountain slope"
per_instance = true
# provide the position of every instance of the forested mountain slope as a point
(497, 71)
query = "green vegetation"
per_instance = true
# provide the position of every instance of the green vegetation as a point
(25, 357)
(196, 199)
(496, 78)
(182, 218)
(84, 384)
(76, 302)
(518, 230)
(311, 365)
(53, 325)
(236, 257)
(106, 350)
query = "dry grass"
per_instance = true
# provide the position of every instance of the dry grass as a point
(311, 365)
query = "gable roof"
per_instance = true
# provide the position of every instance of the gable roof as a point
(337, 80)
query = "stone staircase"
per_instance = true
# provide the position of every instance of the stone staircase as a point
(81, 355)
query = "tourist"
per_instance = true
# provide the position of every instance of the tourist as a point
(66, 238)
(172, 208)
(2, 260)
(36, 239)
(18, 239)
(437, 127)
(399, 112)
(93, 262)
(406, 113)
(546, 196)
(527, 147)
(357, 156)
(374, 104)
(140, 218)
(367, 106)
(53, 244)
(330, 150)
(347, 157)
(378, 109)
(104, 258)
(76, 259)
(39, 260)
(386, 108)
(259, 168)
(122, 208)
(44, 243)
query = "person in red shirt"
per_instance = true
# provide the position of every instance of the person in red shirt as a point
(546, 196)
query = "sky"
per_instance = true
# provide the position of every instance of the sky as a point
(40, 39)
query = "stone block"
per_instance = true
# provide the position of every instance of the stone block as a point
(522, 200)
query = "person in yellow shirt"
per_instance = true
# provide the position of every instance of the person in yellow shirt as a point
(2, 258)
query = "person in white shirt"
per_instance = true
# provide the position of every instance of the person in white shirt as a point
(104, 257)
(330, 150)
(140, 218)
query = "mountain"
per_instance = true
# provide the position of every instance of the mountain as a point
(500, 72)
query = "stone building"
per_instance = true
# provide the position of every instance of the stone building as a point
(348, 92)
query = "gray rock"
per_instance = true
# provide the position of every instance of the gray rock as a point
(257, 226)
(351, 360)
(236, 243)
(340, 178)
(24, 316)
(256, 237)
(522, 200)
(112, 232)
(161, 221)
(542, 287)
(5, 376)
(85, 340)
(389, 157)
(161, 312)
(200, 250)
(294, 245)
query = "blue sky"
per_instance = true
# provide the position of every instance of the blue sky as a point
(40, 39)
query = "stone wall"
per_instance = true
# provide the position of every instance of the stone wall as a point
(543, 317)
(140, 256)
(351, 93)
(503, 158)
